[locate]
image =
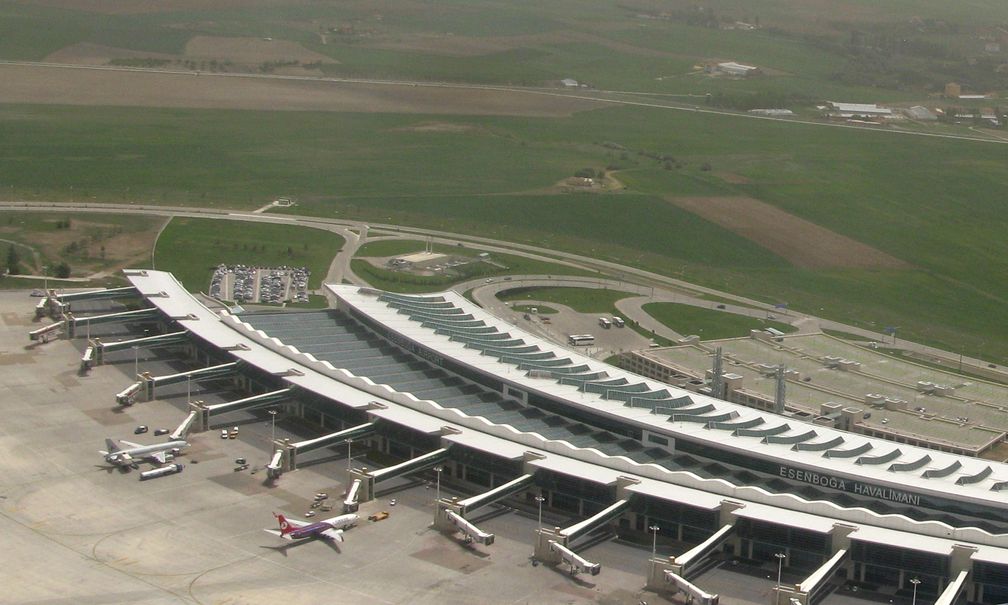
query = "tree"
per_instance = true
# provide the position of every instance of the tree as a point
(13, 260)
(62, 269)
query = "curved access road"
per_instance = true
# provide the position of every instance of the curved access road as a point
(611, 274)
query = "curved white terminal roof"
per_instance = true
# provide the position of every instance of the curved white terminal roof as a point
(721, 424)
(270, 355)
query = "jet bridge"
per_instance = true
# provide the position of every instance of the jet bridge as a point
(275, 467)
(500, 492)
(291, 451)
(578, 564)
(50, 306)
(954, 589)
(87, 359)
(151, 383)
(547, 539)
(128, 396)
(693, 593)
(183, 429)
(449, 516)
(814, 587)
(204, 412)
(46, 333)
(368, 479)
(471, 532)
(72, 323)
(685, 564)
(108, 293)
(147, 342)
(352, 500)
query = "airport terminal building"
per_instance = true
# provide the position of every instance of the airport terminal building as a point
(435, 376)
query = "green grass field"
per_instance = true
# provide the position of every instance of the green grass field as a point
(709, 324)
(582, 300)
(495, 265)
(192, 248)
(539, 309)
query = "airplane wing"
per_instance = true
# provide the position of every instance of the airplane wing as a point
(332, 534)
(276, 532)
(159, 456)
(130, 443)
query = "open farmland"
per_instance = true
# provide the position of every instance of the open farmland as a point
(638, 45)
(95, 87)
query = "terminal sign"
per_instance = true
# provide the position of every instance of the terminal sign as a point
(848, 485)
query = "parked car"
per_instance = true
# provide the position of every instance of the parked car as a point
(140, 429)
(223, 433)
(159, 432)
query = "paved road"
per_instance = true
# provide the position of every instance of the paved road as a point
(613, 97)
(628, 278)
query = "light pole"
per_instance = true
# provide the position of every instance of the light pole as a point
(45, 279)
(348, 442)
(437, 494)
(188, 388)
(654, 539)
(780, 567)
(915, 582)
(539, 500)
(136, 360)
(273, 414)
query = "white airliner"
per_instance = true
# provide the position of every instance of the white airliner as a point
(327, 529)
(135, 452)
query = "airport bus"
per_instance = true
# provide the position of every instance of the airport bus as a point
(604, 322)
(579, 340)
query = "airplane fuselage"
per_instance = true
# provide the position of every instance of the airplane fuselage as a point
(131, 455)
(314, 530)
(310, 531)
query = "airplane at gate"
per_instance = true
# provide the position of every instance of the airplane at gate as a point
(135, 452)
(327, 529)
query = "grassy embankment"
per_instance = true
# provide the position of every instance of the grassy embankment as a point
(496, 265)
(88, 243)
(192, 248)
(710, 324)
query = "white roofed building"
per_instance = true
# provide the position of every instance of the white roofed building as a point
(858, 110)
(440, 370)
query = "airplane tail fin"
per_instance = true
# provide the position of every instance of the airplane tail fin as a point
(285, 527)
(112, 446)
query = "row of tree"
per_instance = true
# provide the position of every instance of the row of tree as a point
(62, 269)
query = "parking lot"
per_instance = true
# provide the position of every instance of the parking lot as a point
(241, 283)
